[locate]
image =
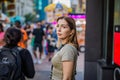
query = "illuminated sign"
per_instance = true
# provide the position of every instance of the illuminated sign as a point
(116, 47)
(78, 16)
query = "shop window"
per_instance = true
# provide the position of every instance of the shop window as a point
(116, 40)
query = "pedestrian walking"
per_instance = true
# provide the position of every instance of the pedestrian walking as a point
(20, 58)
(29, 29)
(51, 43)
(38, 35)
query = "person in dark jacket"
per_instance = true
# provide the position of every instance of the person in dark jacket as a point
(12, 37)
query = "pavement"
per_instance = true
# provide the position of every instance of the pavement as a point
(43, 69)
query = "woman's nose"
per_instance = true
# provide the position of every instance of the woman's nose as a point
(58, 29)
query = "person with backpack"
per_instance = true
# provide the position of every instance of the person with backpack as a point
(15, 62)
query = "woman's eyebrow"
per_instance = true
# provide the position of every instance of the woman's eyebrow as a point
(62, 24)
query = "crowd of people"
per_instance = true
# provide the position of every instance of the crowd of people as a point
(39, 38)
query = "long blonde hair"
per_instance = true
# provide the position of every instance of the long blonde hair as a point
(72, 39)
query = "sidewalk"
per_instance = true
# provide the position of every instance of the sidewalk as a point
(43, 70)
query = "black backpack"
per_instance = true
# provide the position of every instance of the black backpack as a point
(10, 64)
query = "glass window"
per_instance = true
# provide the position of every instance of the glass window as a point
(117, 13)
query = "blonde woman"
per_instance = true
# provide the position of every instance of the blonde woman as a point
(65, 60)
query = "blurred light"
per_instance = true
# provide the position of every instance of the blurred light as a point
(77, 16)
(54, 23)
(78, 22)
(40, 4)
(37, 16)
(66, 2)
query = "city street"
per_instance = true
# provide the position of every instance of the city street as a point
(43, 26)
(43, 70)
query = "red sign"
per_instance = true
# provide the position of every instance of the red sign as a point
(117, 48)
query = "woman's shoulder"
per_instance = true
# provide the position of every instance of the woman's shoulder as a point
(69, 48)
(69, 52)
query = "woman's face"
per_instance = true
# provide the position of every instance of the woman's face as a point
(63, 30)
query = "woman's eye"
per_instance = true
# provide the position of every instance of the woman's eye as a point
(64, 27)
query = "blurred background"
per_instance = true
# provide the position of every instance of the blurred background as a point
(32, 12)
(98, 32)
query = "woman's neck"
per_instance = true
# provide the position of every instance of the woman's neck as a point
(63, 41)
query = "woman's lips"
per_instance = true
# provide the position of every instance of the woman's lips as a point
(59, 34)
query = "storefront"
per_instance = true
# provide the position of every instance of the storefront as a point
(102, 22)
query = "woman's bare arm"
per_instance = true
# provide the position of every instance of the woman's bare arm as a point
(67, 70)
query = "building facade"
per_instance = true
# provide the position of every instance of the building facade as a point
(17, 7)
(24, 7)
